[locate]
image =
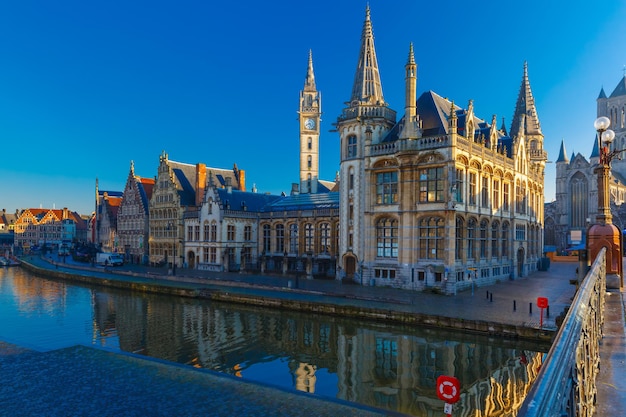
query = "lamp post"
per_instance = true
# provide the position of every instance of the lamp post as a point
(604, 234)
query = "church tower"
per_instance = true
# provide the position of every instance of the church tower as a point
(364, 123)
(310, 118)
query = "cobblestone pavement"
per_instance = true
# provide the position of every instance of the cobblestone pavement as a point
(123, 378)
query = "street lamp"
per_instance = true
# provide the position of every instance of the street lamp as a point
(604, 234)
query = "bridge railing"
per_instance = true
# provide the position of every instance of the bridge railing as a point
(566, 384)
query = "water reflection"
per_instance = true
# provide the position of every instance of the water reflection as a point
(369, 363)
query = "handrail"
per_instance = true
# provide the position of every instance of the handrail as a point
(566, 383)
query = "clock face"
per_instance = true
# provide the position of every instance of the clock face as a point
(309, 124)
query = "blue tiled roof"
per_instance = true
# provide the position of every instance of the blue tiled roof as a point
(187, 194)
(245, 201)
(328, 200)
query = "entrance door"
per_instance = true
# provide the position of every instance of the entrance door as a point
(349, 265)
(191, 260)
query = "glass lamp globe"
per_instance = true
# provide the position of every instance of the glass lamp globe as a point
(608, 136)
(602, 123)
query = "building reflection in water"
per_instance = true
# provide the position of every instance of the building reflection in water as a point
(369, 363)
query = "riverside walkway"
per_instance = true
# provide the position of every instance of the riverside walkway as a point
(139, 386)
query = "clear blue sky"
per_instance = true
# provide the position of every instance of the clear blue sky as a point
(86, 86)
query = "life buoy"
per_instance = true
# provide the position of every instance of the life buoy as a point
(446, 393)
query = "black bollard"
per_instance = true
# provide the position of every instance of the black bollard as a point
(530, 308)
(491, 297)
(514, 305)
(548, 311)
(487, 294)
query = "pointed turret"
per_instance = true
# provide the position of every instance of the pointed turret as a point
(525, 106)
(410, 129)
(367, 87)
(602, 94)
(562, 155)
(595, 152)
(503, 128)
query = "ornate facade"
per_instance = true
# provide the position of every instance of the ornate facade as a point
(441, 199)
(179, 187)
(132, 218)
(48, 227)
(107, 206)
(576, 204)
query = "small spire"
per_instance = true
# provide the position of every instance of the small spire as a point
(503, 127)
(602, 94)
(562, 154)
(411, 59)
(595, 152)
(525, 106)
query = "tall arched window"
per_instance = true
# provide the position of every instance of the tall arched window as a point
(351, 151)
(267, 238)
(309, 237)
(387, 238)
(471, 237)
(431, 232)
(280, 238)
(293, 238)
(324, 238)
(505, 239)
(460, 236)
(495, 231)
(579, 200)
(483, 239)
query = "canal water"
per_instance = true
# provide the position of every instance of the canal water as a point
(391, 367)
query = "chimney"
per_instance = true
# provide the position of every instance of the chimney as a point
(242, 180)
(65, 215)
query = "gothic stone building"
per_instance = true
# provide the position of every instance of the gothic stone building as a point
(576, 204)
(440, 198)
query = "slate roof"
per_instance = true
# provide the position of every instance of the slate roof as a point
(562, 155)
(244, 200)
(145, 186)
(328, 200)
(620, 89)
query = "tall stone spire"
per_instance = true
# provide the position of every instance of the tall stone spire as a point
(367, 87)
(309, 81)
(525, 106)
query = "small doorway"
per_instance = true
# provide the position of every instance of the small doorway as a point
(520, 262)
(349, 266)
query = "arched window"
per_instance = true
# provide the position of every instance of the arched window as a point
(293, 238)
(308, 162)
(431, 232)
(495, 231)
(505, 239)
(387, 187)
(267, 238)
(309, 144)
(460, 236)
(483, 239)
(387, 238)
(280, 238)
(579, 200)
(471, 238)
(309, 237)
(324, 238)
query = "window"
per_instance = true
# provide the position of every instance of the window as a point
(293, 238)
(205, 255)
(494, 239)
(247, 233)
(431, 185)
(496, 194)
(197, 232)
(387, 188)
(471, 237)
(206, 232)
(484, 195)
(520, 199)
(309, 237)
(431, 232)
(458, 186)
(190, 233)
(309, 144)
(280, 238)
(483, 239)
(351, 179)
(267, 238)
(505, 196)
(213, 232)
(308, 161)
(230, 232)
(505, 239)
(472, 188)
(213, 255)
(324, 238)
(351, 147)
(385, 273)
(520, 232)
(387, 238)
(460, 236)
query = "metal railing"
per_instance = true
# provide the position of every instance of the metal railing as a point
(566, 384)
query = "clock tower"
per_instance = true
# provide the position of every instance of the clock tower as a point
(309, 117)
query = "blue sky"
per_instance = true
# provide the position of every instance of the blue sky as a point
(88, 86)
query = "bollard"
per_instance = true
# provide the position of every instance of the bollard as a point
(548, 311)
(530, 308)
(514, 305)
(487, 294)
(491, 297)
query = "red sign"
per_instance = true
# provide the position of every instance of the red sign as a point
(448, 389)
(542, 302)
